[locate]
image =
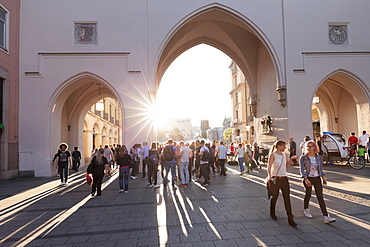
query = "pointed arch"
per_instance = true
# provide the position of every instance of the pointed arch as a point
(229, 31)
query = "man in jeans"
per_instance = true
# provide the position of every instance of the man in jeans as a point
(221, 155)
(204, 166)
(184, 164)
(146, 161)
(169, 164)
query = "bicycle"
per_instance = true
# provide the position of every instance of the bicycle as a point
(354, 160)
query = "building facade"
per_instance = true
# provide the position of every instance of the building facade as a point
(243, 120)
(288, 51)
(9, 89)
(101, 126)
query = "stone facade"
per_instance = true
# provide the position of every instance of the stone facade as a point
(9, 89)
(288, 51)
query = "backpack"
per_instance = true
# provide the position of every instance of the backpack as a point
(154, 159)
(168, 153)
(206, 155)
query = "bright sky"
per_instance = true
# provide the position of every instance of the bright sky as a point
(198, 82)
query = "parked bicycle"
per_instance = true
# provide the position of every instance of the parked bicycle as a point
(355, 161)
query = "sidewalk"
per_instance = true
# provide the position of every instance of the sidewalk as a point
(231, 211)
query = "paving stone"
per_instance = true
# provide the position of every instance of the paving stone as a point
(237, 215)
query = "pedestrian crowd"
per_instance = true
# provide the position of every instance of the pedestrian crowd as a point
(196, 161)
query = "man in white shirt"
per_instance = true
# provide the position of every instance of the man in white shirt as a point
(221, 155)
(145, 154)
(363, 139)
(184, 164)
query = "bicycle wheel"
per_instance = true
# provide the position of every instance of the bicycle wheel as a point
(356, 162)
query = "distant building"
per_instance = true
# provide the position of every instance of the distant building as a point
(216, 134)
(9, 96)
(242, 119)
(226, 123)
(102, 127)
(184, 125)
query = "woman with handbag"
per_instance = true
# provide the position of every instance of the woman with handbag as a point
(123, 161)
(311, 171)
(278, 162)
(100, 164)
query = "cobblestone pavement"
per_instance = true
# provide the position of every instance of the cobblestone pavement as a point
(231, 211)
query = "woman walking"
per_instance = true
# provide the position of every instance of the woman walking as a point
(278, 162)
(311, 171)
(100, 164)
(153, 166)
(123, 162)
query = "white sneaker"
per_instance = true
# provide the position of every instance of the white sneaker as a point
(133, 177)
(120, 191)
(307, 213)
(328, 219)
(66, 184)
(126, 191)
(157, 186)
(151, 186)
(61, 184)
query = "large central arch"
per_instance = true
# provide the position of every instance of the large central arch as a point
(239, 38)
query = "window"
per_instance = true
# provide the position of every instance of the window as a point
(3, 14)
(236, 98)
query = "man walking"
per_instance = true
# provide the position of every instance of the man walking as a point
(109, 155)
(63, 162)
(221, 154)
(76, 158)
(184, 164)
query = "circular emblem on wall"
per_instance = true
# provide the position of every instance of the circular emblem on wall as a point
(85, 34)
(337, 35)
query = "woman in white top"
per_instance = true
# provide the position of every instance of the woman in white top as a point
(278, 162)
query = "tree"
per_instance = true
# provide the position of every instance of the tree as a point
(228, 134)
(176, 135)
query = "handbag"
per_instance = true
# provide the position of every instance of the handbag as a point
(131, 163)
(90, 168)
(271, 182)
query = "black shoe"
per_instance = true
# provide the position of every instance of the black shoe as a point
(273, 215)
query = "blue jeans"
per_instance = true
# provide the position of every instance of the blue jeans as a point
(184, 170)
(124, 172)
(241, 162)
(169, 165)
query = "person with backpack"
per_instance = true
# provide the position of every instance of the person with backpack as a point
(204, 155)
(154, 158)
(100, 164)
(169, 156)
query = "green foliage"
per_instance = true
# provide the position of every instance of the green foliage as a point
(227, 134)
